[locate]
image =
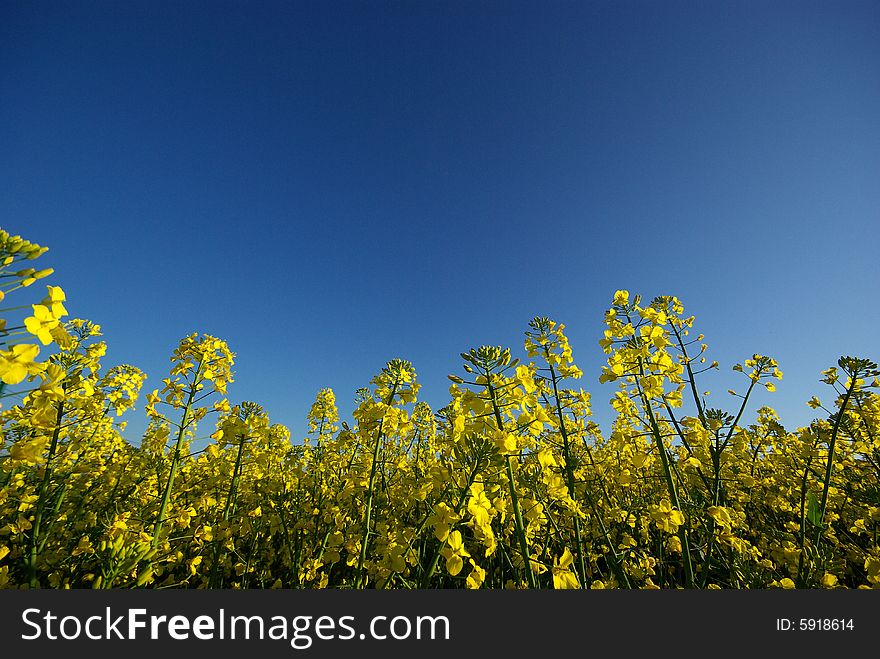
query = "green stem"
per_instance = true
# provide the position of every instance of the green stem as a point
(569, 475)
(426, 578)
(830, 464)
(673, 493)
(216, 577)
(175, 460)
(691, 379)
(361, 581)
(41, 501)
(517, 513)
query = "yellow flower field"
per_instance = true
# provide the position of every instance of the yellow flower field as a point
(510, 485)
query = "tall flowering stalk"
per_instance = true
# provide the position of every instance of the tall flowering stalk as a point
(497, 410)
(547, 341)
(202, 368)
(379, 416)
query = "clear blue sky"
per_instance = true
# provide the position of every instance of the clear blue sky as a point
(331, 185)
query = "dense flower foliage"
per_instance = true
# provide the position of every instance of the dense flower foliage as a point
(510, 485)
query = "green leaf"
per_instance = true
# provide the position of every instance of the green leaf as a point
(814, 515)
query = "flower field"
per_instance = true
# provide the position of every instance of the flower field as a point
(509, 485)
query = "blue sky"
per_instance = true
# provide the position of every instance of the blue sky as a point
(328, 186)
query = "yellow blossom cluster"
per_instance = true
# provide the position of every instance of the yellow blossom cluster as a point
(511, 484)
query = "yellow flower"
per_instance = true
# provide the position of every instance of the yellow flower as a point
(18, 363)
(476, 577)
(41, 323)
(505, 441)
(442, 520)
(29, 450)
(666, 518)
(454, 553)
(828, 580)
(721, 516)
(54, 301)
(563, 577)
(193, 564)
